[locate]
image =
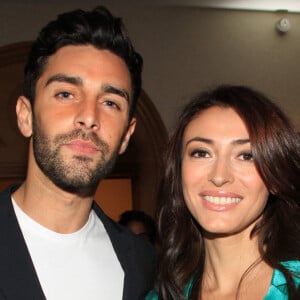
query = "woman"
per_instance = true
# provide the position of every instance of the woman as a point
(229, 221)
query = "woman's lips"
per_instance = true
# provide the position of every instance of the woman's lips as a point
(220, 200)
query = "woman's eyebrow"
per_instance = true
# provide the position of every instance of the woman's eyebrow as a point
(240, 141)
(199, 139)
(210, 141)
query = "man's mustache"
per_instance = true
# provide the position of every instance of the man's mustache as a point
(81, 134)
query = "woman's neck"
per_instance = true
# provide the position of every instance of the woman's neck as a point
(233, 264)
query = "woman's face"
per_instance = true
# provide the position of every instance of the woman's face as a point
(221, 185)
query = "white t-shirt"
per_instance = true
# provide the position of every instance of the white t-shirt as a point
(80, 265)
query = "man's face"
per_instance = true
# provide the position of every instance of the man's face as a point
(80, 116)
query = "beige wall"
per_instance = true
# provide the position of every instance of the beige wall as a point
(188, 49)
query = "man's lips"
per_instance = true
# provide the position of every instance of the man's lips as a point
(82, 147)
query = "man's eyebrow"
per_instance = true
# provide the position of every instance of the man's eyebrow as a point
(209, 141)
(107, 88)
(65, 78)
(117, 91)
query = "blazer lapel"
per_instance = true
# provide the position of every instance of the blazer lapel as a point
(18, 279)
(125, 254)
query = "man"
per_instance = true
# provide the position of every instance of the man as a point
(82, 81)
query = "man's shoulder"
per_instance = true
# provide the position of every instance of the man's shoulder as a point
(123, 234)
(136, 255)
(6, 192)
(5, 200)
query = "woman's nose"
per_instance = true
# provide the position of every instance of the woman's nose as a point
(221, 172)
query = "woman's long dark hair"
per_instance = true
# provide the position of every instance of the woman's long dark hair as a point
(276, 151)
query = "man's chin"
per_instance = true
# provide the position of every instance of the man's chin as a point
(80, 188)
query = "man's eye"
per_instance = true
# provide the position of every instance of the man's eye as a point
(112, 104)
(64, 95)
(246, 156)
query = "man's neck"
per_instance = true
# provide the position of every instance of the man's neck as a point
(57, 210)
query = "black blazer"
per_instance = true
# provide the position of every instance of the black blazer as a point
(19, 281)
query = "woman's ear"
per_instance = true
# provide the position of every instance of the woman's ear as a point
(24, 116)
(127, 136)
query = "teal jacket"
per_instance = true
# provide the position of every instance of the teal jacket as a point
(277, 289)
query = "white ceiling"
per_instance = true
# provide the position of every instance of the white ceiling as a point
(265, 5)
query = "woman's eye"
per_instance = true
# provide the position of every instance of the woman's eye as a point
(200, 153)
(246, 156)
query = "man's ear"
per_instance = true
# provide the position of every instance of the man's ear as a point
(128, 134)
(24, 116)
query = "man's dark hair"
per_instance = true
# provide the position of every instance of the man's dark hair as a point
(98, 28)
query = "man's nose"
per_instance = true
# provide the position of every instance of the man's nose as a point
(88, 115)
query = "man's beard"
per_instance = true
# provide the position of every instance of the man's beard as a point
(74, 176)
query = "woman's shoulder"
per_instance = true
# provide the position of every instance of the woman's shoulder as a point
(152, 296)
(293, 266)
(278, 288)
